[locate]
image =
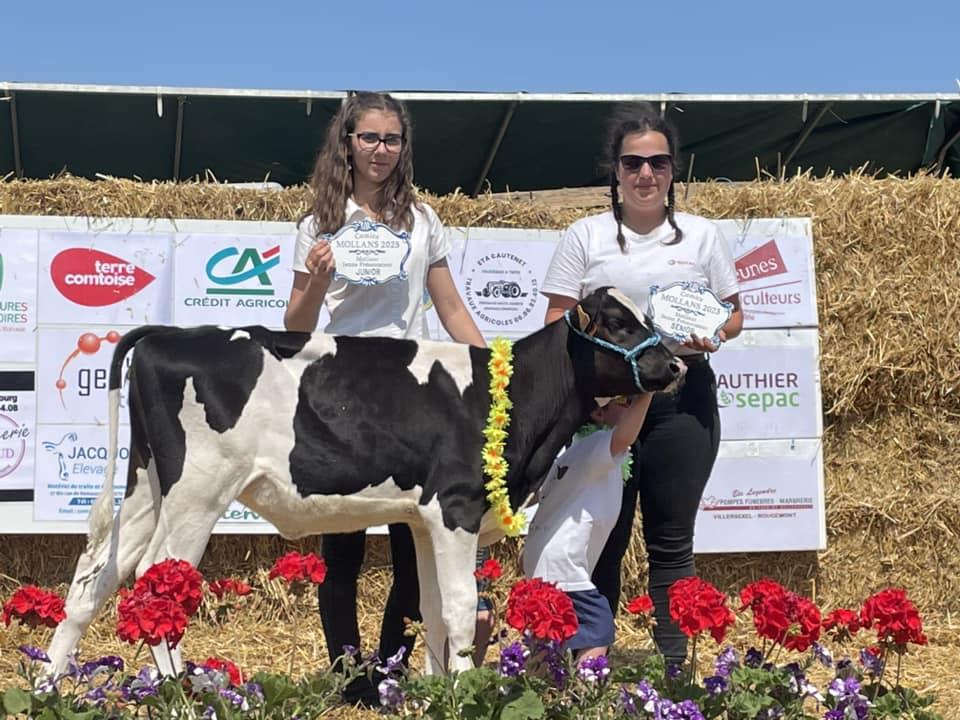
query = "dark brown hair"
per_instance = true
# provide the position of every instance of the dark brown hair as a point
(332, 179)
(638, 118)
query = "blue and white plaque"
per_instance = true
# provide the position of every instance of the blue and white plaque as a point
(369, 253)
(682, 309)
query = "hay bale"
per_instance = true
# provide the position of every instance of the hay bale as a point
(888, 284)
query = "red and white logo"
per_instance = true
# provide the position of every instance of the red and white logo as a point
(761, 262)
(93, 278)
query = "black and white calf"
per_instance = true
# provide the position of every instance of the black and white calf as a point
(323, 434)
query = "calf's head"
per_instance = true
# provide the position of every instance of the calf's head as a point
(628, 356)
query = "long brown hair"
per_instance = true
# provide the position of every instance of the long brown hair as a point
(638, 118)
(332, 179)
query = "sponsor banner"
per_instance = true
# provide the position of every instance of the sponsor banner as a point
(232, 280)
(18, 426)
(71, 468)
(499, 275)
(106, 278)
(764, 496)
(768, 385)
(18, 295)
(774, 260)
(73, 371)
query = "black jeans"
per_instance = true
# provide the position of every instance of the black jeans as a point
(337, 597)
(672, 460)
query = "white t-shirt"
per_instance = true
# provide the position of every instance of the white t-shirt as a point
(395, 308)
(579, 505)
(589, 257)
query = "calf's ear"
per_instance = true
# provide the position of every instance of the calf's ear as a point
(586, 324)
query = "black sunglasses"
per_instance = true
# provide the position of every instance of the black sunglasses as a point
(658, 163)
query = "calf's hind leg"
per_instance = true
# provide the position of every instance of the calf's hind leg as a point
(100, 570)
(182, 533)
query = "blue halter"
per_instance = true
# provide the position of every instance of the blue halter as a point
(629, 356)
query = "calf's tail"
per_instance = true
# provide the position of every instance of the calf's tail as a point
(101, 514)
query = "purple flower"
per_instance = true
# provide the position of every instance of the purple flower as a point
(726, 661)
(715, 685)
(753, 658)
(144, 685)
(628, 702)
(553, 655)
(513, 660)
(393, 663)
(647, 695)
(688, 710)
(873, 664)
(34, 653)
(391, 694)
(210, 713)
(97, 696)
(235, 698)
(673, 671)
(822, 655)
(850, 702)
(106, 664)
(253, 691)
(595, 669)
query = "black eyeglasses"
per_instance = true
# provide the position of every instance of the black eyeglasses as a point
(658, 163)
(371, 140)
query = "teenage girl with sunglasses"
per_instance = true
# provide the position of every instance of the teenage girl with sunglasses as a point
(365, 170)
(642, 241)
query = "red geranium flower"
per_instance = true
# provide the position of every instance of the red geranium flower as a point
(143, 616)
(490, 570)
(640, 605)
(780, 615)
(294, 567)
(228, 586)
(696, 605)
(542, 609)
(895, 618)
(34, 606)
(805, 625)
(225, 666)
(176, 580)
(842, 624)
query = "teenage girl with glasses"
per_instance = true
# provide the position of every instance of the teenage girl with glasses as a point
(365, 171)
(642, 241)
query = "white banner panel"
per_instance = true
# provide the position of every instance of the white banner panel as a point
(227, 279)
(764, 496)
(18, 295)
(774, 260)
(768, 385)
(499, 276)
(18, 429)
(90, 277)
(71, 467)
(73, 371)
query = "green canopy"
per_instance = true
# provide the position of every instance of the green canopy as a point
(470, 141)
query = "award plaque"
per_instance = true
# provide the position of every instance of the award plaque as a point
(682, 309)
(369, 253)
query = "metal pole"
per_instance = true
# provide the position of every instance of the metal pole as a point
(178, 142)
(15, 135)
(504, 124)
(805, 133)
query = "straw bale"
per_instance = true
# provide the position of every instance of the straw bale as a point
(888, 282)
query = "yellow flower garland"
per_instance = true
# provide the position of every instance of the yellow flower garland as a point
(494, 463)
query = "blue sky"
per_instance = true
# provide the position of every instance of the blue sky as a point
(840, 46)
